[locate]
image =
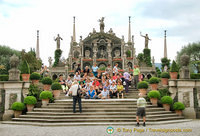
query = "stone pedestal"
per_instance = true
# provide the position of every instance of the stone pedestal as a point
(14, 74)
(184, 73)
(13, 93)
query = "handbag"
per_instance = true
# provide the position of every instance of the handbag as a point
(79, 92)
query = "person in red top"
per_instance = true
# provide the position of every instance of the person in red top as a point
(95, 82)
(115, 76)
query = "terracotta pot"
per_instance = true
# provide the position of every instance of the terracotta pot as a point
(56, 93)
(17, 113)
(45, 102)
(173, 75)
(25, 77)
(164, 81)
(154, 86)
(35, 82)
(179, 112)
(30, 107)
(143, 91)
(46, 87)
(166, 107)
(154, 101)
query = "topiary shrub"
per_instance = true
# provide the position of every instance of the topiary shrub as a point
(195, 75)
(154, 94)
(31, 100)
(35, 76)
(164, 92)
(102, 68)
(174, 67)
(165, 75)
(142, 85)
(166, 100)
(56, 86)
(178, 106)
(153, 80)
(18, 106)
(4, 77)
(24, 67)
(47, 81)
(128, 53)
(46, 95)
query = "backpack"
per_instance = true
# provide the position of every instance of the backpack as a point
(79, 92)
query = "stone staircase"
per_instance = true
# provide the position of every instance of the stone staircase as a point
(96, 112)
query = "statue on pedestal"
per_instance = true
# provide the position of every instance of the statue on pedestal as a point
(101, 24)
(146, 40)
(50, 61)
(58, 38)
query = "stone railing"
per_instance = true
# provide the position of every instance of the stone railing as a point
(184, 88)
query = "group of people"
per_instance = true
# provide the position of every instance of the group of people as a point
(97, 85)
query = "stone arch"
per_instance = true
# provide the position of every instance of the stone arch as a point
(89, 49)
(76, 54)
(129, 64)
(114, 50)
(149, 76)
(119, 64)
(86, 64)
(54, 77)
(101, 64)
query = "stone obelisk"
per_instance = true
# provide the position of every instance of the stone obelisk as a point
(37, 46)
(129, 30)
(74, 31)
(165, 45)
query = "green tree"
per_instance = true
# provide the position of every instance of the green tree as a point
(193, 50)
(165, 61)
(5, 54)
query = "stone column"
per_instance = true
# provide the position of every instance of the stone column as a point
(95, 52)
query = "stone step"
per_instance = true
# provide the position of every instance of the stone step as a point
(95, 113)
(98, 100)
(96, 110)
(93, 116)
(95, 120)
(93, 123)
(95, 106)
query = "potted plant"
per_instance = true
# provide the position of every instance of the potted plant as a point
(30, 101)
(166, 101)
(25, 71)
(56, 87)
(178, 107)
(174, 70)
(142, 86)
(164, 78)
(35, 77)
(45, 96)
(153, 81)
(154, 95)
(46, 81)
(18, 107)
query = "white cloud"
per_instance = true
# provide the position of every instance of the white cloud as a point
(18, 29)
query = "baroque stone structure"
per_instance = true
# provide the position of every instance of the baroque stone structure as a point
(102, 48)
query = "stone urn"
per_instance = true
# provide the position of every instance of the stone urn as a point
(35, 82)
(46, 87)
(143, 91)
(154, 101)
(179, 112)
(25, 77)
(30, 107)
(56, 93)
(154, 86)
(45, 102)
(164, 81)
(166, 107)
(17, 113)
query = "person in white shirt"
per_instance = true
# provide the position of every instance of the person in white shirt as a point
(113, 90)
(104, 94)
(94, 69)
(77, 77)
(115, 69)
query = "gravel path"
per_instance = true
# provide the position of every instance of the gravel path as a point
(20, 130)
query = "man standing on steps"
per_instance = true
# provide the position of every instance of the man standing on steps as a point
(74, 90)
(136, 73)
(141, 104)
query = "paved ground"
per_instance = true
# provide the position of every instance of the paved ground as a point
(19, 130)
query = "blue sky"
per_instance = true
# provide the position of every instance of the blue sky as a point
(20, 19)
